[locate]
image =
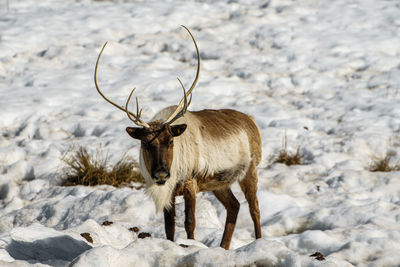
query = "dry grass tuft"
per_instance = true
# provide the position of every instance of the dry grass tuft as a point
(85, 169)
(383, 164)
(287, 158)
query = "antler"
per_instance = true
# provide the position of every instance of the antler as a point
(184, 108)
(179, 111)
(183, 104)
(137, 120)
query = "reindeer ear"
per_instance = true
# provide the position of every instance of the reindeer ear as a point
(135, 132)
(177, 130)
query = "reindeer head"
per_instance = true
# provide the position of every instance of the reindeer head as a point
(157, 137)
(157, 144)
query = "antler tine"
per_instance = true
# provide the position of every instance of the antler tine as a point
(139, 122)
(179, 109)
(185, 104)
(136, 119)
(190, 100)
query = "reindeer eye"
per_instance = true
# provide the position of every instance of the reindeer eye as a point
(171, 142)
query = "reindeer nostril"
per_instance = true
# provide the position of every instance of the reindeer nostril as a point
(161, 174)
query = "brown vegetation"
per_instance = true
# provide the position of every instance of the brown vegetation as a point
(85, 169)
(287, 158)
(380, 164)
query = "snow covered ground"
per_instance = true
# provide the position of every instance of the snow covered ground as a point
(324, 73)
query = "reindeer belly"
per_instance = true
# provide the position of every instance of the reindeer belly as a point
(221, 179)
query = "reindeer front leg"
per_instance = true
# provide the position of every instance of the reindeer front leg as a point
(169, 220)
(189, 195)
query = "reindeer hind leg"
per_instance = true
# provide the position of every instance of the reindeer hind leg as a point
(249, 188)
(232, 206)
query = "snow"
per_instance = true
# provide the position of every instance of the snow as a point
(324, 73)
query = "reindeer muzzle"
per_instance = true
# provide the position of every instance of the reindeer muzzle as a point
(161, 176)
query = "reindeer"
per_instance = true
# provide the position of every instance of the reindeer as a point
(185, 152)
